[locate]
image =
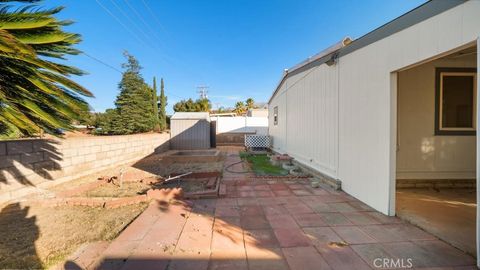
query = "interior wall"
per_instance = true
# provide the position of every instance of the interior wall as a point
(421, 154)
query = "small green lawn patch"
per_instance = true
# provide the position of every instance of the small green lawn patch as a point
(261, 165)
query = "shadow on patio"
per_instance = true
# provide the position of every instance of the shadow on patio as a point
(269, 224)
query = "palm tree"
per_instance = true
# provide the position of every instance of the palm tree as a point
(239, 108)
(250, 103)
(36, 93)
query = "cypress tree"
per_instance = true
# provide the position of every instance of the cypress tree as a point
(155, 106)
(162, 114)
(135, 112)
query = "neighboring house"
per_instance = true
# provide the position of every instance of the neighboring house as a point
(230, 114)
(257, 112)
(397, 103)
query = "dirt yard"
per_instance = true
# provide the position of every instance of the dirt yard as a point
(34, 237)
(155, 164)
(187, 185)
(159, 165)
(127, 189)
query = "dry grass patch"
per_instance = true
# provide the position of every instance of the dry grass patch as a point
(37, 237)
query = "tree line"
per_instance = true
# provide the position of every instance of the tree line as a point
(204, 105)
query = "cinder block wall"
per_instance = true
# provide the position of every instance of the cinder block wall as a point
(26, 165)
(231, 139)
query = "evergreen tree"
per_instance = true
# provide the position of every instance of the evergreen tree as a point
(135, 112)
(162, 113)
(155, 106)
(106, 122)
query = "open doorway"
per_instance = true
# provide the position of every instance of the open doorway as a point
(436, 147)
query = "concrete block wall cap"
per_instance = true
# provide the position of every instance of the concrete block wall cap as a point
(289, 167)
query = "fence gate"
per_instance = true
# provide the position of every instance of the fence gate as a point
(213, 134)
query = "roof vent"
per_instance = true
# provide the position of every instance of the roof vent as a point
(346, 41)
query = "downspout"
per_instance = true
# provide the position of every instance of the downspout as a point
(286, 110)
(338, 119)
(478, 153)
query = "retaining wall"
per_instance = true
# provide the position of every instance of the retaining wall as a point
(26, 165)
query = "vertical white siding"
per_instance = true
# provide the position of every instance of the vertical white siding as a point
(278, 132)
(363, 95)
(308, 118)
(312, 118)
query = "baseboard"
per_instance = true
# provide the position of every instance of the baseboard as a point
(436, 183)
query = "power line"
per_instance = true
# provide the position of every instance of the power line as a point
(154, 16)
(203, 91)
(179, 59)
(142, 20)
(165, 57)
(119, 21)
(132, 32)
(102, 62)
(119, 71)
(129, 19)
(147, 44)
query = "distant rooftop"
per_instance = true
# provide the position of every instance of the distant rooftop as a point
(191, 115)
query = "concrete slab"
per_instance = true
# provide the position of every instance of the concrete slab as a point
(330, 230)
(449, 214)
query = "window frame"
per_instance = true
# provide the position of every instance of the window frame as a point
(445, 131)
(275, 115)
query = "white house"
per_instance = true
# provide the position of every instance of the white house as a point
(397, 103)
(257, 112)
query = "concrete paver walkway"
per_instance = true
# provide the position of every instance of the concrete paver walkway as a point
(274, 224)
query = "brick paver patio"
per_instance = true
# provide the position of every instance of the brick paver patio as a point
(270, 224)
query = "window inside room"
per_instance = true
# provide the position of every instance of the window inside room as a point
(456, 101)
(275, 115)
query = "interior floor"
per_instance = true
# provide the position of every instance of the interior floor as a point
(449, 214)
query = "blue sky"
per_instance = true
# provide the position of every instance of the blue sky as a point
(236, 47)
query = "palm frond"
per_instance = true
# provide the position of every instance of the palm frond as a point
(36, 93)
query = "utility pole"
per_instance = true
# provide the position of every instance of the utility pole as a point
(203, 91)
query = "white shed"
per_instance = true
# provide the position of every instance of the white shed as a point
(190, 130)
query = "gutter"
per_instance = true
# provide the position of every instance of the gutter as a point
(328, 53)
(414, 16)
